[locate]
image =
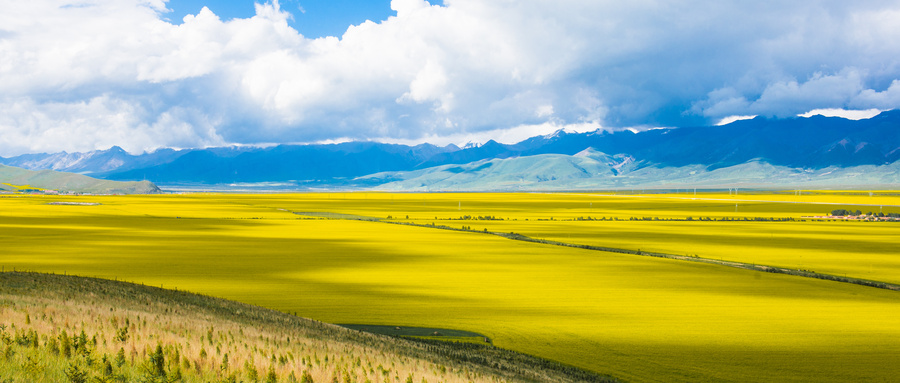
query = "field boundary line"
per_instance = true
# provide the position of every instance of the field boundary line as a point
(726, 199)
(524, 238)
(739, 265)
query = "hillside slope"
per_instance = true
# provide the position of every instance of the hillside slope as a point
(70, 182)
(62, 328)
(594, 170)
(812, 142)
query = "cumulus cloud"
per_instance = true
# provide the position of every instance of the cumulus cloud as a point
(886, 99)
(789, 98)
(504, 136)
(82, 76)
(99, 123)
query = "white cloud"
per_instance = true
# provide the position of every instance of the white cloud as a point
(843, 113)
(544, 111)
(89, 77)
(886, 99)
(405, 7)
(504, 136)
(429, 85)
(828, 93)
(99, 123)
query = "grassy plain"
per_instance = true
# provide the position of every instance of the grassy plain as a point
(637, 318)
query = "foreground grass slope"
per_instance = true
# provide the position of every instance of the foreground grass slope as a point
(637, 318)
(62, 328)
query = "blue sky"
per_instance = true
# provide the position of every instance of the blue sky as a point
(79, 75)
(311, 18)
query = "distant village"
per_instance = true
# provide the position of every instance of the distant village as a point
(847, 215)
(37, 191)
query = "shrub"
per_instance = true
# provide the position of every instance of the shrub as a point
(107, 366)
(53, 345)
(75, 374)
(122, 334)
(252, 374)
(65, 344)
(120, 357)
(158, 362)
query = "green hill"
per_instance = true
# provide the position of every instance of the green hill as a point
(13, 178)
(57, 328)
(594, 170)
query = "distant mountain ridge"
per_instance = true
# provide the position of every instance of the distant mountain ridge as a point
(593, 170)
(816, 142)
(97, 161)
(810, 144)
(284, 163)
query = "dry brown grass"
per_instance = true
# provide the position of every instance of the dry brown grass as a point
(197, 332)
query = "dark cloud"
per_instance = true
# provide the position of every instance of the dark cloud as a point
(119, 71)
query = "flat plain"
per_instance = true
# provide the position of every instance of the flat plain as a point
(633, 317)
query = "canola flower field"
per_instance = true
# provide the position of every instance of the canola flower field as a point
(635, 318)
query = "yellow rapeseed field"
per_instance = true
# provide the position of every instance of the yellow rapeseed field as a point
(637, 318)
(855, 249)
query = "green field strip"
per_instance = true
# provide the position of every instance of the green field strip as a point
(420, 332)
(453, 339)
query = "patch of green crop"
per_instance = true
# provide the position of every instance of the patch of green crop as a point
(438, 334)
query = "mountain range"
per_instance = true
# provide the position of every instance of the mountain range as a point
(817, 150)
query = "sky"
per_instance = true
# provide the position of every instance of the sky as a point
(312, 19)
(80, 75)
